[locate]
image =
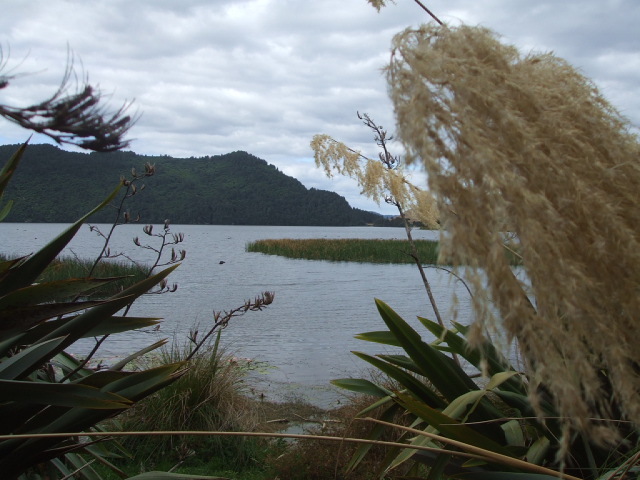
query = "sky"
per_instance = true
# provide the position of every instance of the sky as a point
(209, 77)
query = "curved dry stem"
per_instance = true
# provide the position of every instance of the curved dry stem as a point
(243, 434)
(487, 455)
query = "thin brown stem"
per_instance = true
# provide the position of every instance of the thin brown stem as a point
(431, 14)
(221, 321)
(423, 275)
(392, 162)
(481, 452)
(201, 433)
(86, 360)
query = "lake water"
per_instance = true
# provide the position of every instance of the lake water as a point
(305, 336)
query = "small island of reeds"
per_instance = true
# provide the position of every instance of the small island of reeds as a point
(357, 250)
(348, 249)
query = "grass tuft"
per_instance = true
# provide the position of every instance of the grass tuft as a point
(209, 396)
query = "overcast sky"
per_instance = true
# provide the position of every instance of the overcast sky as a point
(215, 76)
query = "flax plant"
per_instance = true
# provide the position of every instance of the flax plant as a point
(526, 143)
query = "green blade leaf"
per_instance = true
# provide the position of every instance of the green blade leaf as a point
(361, 385)
(141, 384)
(402, 361)
(495, 361)
(6, 210)
(52, 291)
(29, 359)
(537, 453)
(10, 167)
(513, 433)
(114, 324)
(69, 363)
(122, 363)
(450, 380)
(145, 285)
(450, 427)
(79, 326)
(60, 394)
(133, 387)
(375, 433)
(22, 318)
(82, 467)
(408, 381)
(6, 265)
(384, 337)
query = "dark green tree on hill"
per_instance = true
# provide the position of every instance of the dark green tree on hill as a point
(233, 189)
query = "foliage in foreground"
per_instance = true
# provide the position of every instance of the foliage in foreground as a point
(43, 388)
(493, 422)
(526, 144)
(210, 396)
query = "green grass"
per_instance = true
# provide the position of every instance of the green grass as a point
(64, 268)
(347, 250)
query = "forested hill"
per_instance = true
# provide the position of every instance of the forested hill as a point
(52, 185)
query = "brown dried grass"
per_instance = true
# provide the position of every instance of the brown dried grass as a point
(527, 143)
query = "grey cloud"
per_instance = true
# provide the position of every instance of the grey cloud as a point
(265, 76)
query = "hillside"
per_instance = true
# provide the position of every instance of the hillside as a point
(53, 185)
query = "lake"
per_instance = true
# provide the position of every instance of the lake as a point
(305, 337)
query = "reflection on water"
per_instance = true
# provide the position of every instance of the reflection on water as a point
(306, 334)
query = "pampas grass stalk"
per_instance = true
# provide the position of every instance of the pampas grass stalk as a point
(527, 144)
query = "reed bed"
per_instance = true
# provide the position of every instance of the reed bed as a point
(347, 250)
(70, 267)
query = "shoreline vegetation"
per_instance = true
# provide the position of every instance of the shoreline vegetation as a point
(63, 268)
(355, 250)
(347, 249)
(216, 394)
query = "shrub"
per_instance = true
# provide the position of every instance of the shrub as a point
(210, 396)
(44, 389)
